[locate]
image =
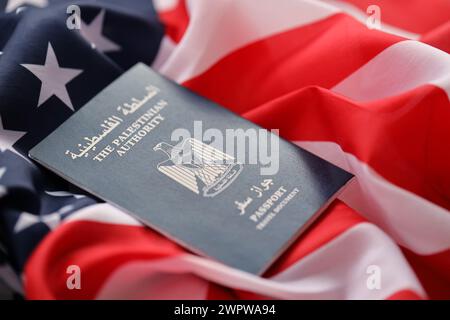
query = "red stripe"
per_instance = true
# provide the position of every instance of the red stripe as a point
(97, 248)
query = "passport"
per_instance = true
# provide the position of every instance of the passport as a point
(192, 170)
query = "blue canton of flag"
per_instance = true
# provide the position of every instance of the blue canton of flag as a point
(48, 70)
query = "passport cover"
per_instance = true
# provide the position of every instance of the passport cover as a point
(119, 148)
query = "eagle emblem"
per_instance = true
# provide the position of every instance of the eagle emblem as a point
(199, 167)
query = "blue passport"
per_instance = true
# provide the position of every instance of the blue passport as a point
(201, 175)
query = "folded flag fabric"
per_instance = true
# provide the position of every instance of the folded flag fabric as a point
(363, 84)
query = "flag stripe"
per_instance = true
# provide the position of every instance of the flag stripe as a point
(402, 67)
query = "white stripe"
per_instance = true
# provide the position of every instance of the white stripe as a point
(337, 270)
(401, 67)
(219, 27)
(412, 221)
(361, 16)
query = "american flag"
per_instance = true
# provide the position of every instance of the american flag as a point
(364, 84)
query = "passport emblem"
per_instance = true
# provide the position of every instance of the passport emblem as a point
(199, 167)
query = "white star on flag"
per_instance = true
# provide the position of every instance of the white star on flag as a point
(27, 220)
(8, 138)
(54, 78)
(93, 34)
(52, 220)
(64, 194)
(14, 4)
